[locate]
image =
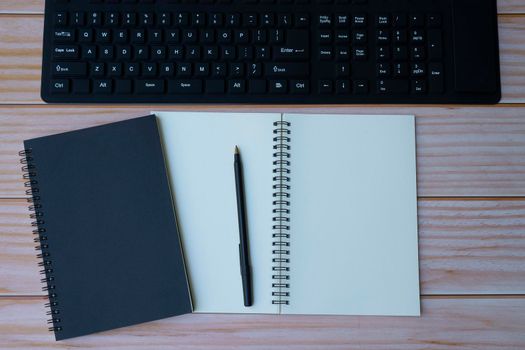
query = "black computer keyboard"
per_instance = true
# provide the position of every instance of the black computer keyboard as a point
(271, 51)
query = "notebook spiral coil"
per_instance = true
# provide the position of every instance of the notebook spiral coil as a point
(35, 207)
(281, 214)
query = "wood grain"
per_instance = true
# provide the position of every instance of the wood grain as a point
(461, 151)
(37, 6)
(472, 251)
(473, 324)
(466, 247)
(21, 50)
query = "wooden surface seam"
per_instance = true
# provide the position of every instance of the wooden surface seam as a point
(471, 186)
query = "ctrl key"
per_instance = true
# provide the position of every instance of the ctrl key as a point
(60, 86)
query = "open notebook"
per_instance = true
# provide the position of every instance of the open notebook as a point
(332, 211)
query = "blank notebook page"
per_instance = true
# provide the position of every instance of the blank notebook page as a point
(353, 246)
(199, 150)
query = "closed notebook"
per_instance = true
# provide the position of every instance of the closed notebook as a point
(105, 224)
(331, 207)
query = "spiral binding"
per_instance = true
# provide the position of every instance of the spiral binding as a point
(281, 214)
(40, 233)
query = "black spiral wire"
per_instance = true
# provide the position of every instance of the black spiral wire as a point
(35, 207)
(281, 214)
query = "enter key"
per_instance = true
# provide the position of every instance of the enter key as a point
(296, 47)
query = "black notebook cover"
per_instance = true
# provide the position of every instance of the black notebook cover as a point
(110, 246)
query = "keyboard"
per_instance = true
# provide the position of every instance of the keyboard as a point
(271, 51)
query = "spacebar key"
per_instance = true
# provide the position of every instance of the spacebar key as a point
(145, 87)
(185, 86)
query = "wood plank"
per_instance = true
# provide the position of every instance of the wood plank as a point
(37, 6)
(512, 58)
(461, 151)
(20, 58)
(466, 247)
(472, 247)
(21, 47)
(474, 324)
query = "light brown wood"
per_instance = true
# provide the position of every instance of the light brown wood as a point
(466, 247)
(37, 6)
(473, 324)
(461, 151)
(21, 50)
(472, 251)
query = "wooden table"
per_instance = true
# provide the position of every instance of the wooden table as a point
(471, 173)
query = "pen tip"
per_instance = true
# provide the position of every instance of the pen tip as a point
(236, 150)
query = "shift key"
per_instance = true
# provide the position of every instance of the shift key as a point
(284, 70)
(69, 69)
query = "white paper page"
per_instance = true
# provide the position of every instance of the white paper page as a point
(354, 247)
(199, 149)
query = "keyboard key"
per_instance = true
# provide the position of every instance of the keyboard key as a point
(81, 86)
(400, 70)
(400, 53)
(359, 53)
(324, 20)
(60, 86)
(342, 69)
(417, 20)
(64, 35)
(66, 52)
(236, 86)
(60, 19)
(103, 86)
(399, 20)
(359, 21)
(286, 69)
(417, 36)
(257, 86)
(435, 45)
(325, 87)
(69, 69)
(149, 86)
(383, 20)
(419, 86)
(185, 86)
(383, 70)
(123, 87)
(215, 86)
(361, 87)
(392, 86)
(299, 87)
(418, 70)
(326, 53)
(342, 87)
(434, 20)
(278, 86)
(302, 20)
(296, 47)
(436, 82)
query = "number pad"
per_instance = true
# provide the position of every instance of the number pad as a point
(407, 44)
